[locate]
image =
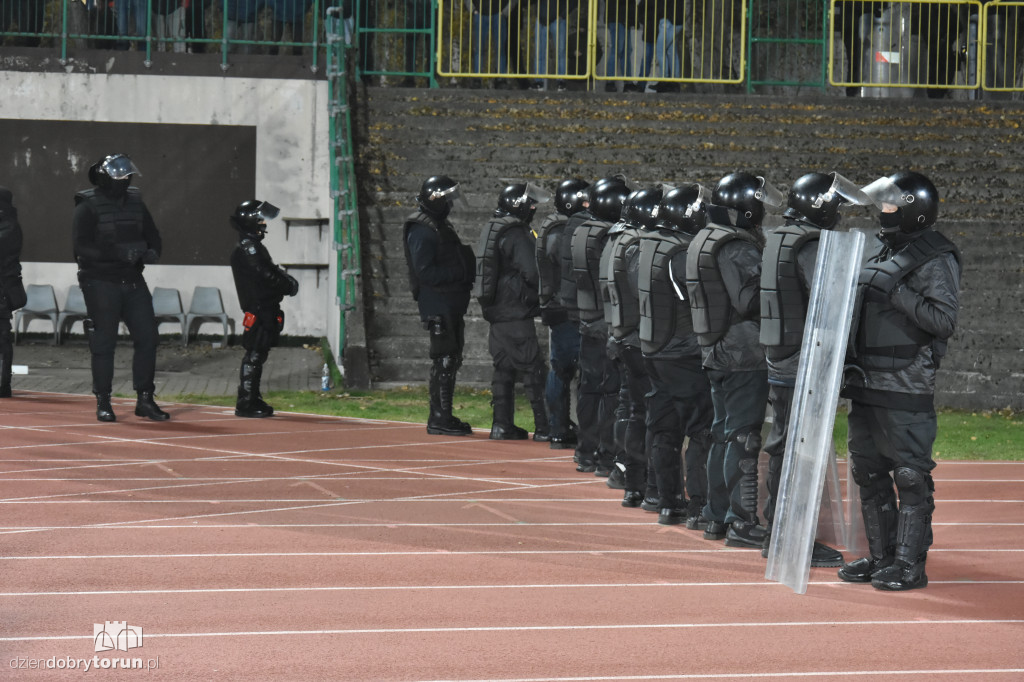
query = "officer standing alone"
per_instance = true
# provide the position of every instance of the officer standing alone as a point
(441, 274)
(261, 286)
(114, 238)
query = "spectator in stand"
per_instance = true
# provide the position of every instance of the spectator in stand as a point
(293, 14)
(551, 28)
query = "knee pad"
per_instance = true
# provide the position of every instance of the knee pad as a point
(256, 356)
(748, 465)
(914, 486)
(447, 363)
(874, 485)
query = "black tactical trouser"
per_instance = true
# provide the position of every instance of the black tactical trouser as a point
(678, 406)
(516, 352)
(636, 385)
(596, 403)
(108, 304)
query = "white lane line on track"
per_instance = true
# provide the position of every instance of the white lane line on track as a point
(440, 553)
(544, 628)
(321, 505)
(399, 525)
(432, 588)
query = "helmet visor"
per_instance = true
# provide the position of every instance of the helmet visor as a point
(847, 189)
(768, 194)
(119, 167)
(451, 194)
(887, 196)
(537, 194)
(267, 211)
(703, 197)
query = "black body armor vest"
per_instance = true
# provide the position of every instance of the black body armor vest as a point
(588, 242)
(886, 339)
(549, 236)
(448, 255)
(783, 299)
(710, 308)
(487, 258)
(623, 311)
(664, 314)
(116, 222)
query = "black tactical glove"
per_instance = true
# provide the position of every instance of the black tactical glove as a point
(294, 285)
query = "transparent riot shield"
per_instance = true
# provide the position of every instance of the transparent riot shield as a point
(812, 415)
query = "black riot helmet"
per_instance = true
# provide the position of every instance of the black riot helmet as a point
(640, 207)
(813, 200)
(437, 195)
(684, 209)
(520, 200)
(570, 196)
(746, 196)
(607, 197)
(250, 217)
(909, 203)
(113, 174)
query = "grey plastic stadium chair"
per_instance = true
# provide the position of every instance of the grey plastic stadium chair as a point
(207, 306)
(73, 311)
(41, 305)
(167, 308)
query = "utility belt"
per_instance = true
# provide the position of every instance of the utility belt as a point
(250, 320)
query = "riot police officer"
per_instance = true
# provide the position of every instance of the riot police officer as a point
(12, 291)
(114, 239)
(679, 404)
(564, 332)
(908, 300)
(619, 268)
(599, 378)
(723, 275)
(260, 285)
(507, 282)
(786, 277)
(441, 273)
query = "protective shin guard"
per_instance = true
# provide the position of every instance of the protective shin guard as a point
(878, 508)
(442, 388)
(913, 534)
(534, 386)
(503, 402)
(5, 372)
(250, 404)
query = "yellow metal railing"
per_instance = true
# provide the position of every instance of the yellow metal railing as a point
(907, 48)
(695, 41)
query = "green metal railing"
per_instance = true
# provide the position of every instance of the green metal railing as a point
(343, 177)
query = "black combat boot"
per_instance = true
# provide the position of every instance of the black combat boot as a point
(250, 403)
(146, 407)
(104, 412)
(747, 532)
(912, 540)
(880, 527)
(442, 394)
(503, 424)
(5, 373)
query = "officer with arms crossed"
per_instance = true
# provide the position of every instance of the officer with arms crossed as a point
(12, 291)
(506, 280)
(441, 274)
(114, 238)
(564, 335)
(723, 278)
(786, 278)
(260, 285)
(908, 299)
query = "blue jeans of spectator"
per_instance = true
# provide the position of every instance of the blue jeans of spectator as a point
(666, 53)
(555, 31)
(485, 27)
(641, 56)
(137, 9)
(615, 51)
(565, 362)
(740, 400)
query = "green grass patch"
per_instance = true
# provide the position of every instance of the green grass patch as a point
(963, 435)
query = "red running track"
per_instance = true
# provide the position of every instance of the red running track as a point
(315, 548)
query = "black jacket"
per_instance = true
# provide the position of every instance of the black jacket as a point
(259, 282)
(516, 296)
(442, 267)
(114, 237)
